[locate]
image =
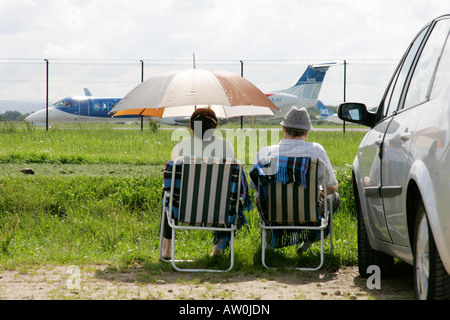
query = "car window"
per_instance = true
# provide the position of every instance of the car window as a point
(442, 77)
(390, 109)
(418, 91)
(395, 91)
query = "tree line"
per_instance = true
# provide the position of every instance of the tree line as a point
(13, 116)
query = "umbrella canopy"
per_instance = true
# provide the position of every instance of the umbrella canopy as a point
(185, 89)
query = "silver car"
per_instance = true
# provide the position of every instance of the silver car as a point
(401, 173)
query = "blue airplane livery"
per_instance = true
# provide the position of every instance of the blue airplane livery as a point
(90, 108)
(326, 114)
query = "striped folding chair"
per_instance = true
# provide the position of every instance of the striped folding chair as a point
(289, 200)
(203, 195)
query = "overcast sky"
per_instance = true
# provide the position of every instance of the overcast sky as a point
(212, 29)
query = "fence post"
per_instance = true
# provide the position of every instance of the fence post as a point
(242, 75)
(142, 80)
(46, 95)
(345, 89)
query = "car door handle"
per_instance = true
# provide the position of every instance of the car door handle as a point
(405, 136)
(378, 141)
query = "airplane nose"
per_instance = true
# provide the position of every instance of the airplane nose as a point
(54, 115)
(38, 116)
(41, 115)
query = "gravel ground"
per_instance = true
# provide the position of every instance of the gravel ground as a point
(136, 283)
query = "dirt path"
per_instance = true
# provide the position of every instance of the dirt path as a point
(109, 283)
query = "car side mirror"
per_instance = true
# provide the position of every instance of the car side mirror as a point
(356, 112)
(353, 112)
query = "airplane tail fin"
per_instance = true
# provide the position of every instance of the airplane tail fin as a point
(87, 92)
(309, 84)
(324, 112)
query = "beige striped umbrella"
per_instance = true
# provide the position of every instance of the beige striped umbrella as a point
(228, 94)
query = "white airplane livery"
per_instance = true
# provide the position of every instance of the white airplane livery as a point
(89, 108)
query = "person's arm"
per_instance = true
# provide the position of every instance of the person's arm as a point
(331, 183)
(332, 189)
(175, 152)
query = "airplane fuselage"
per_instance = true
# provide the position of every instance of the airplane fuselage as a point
(88, 109)
(284, 101)
(79, 109)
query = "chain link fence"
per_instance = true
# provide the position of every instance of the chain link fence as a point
(27, 86)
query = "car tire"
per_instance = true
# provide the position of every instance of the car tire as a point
(431, 281)
(367, 256)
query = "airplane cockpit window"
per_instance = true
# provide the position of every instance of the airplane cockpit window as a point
(63, 104)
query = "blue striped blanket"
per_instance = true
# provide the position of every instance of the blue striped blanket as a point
(286, 170)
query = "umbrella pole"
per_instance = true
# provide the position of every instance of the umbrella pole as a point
(142, 119)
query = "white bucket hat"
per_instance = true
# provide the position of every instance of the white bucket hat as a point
(297, 118)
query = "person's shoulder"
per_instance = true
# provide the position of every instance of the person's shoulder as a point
(217, 139)
(185, 141)
(268, 149)
(317, 145)
(180, 146)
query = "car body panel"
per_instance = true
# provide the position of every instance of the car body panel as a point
(406, 153)
(369, 160)
(395, 171)
(431, 169)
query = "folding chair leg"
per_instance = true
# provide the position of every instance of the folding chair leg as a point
(161, 236)
(160, 247)
(322, 256)
(263, 248)
(330, 223)
(202, 270)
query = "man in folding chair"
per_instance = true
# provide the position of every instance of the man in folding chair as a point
(296, 125)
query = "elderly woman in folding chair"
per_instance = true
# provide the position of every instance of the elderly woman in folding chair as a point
(296, 125)
(203, 143)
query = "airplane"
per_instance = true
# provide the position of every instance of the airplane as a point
(89, 108)
(326, 114)
(80, 109)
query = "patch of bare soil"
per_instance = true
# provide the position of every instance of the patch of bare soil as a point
(109, 283)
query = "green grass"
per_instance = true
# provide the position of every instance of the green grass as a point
(139, 147)
(95, 198)
(86, 146)
(78, 219)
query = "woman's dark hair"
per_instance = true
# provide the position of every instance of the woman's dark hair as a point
(207, 118)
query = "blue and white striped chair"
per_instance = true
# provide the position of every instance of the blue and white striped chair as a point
(289, 200)
(202, 194)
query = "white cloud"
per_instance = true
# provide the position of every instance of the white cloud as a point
(213, 29)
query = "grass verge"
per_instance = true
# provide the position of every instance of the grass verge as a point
(95, 199)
